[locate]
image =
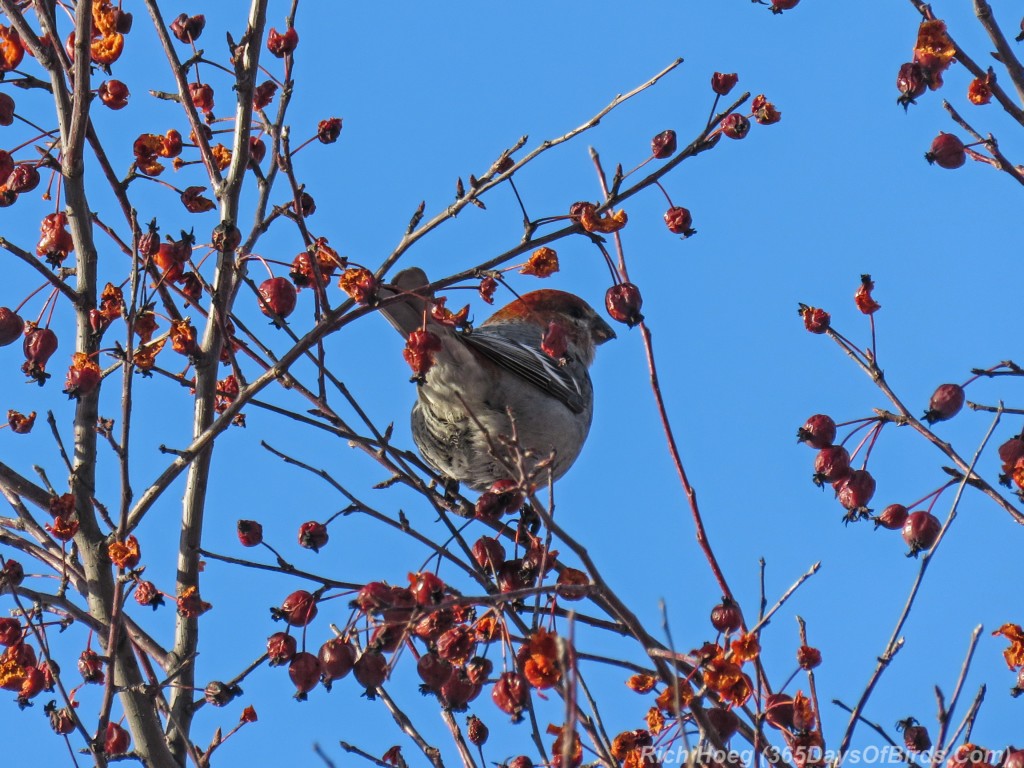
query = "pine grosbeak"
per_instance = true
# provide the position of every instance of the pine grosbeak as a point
(529, 359)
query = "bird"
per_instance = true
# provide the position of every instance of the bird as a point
(495, 381)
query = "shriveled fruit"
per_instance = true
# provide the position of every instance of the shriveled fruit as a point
(946, 403)
(819, 431)
(892, 517)
(337, 657)
(726, 616)
(831, 464)
(921, 531)
(947, 151)
(11, 326)
(278, 297)
(623, 302)
(304, 671)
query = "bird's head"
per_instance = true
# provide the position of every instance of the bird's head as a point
(583, 327)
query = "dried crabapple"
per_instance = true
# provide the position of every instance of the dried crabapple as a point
(946, 403)
(947, 151)
(921, 531)
(819, 431)
(623, 302)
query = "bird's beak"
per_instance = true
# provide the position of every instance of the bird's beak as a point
(601, 331)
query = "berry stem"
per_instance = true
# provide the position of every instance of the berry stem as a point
(711, 118)
(658, 185)
(934, 495)
(25, 301)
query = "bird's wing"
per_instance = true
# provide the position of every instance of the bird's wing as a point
(530, 364)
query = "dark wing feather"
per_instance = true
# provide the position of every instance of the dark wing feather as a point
(530, 364)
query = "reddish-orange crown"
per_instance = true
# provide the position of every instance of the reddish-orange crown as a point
(539, 307)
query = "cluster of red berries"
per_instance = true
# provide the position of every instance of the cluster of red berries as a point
(427, 619)
(854, 488)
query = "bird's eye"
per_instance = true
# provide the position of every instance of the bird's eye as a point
(576, 312)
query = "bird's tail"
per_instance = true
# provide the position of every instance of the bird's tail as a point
(406, 316)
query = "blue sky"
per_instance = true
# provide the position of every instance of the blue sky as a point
(795, 212)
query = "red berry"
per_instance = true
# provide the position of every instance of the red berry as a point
(32, 684)
(477, 731)
(313, 535)
(488, 553)
(220, 694)
(664, 144)
(831, 464)
(458, 691)
(83, 378)
(250, 533)
(679, 221)
(11, 575)
(6, 109)
(1014, 759)
(116, 740)
(457, 644)
(915, 737)
(10, 631)
(726, 616)
(434, 671)
(723, 82)
(281, 648)
(373, 598)
(263, 94)
(478, 669)
(522, 761)
(388, 637)
(808, 657)
(202, 96)
(892, 517)
(298, 609)
(123, 21)
(502, 498)
(257, 150)
(514, 575)
(511, 693)
(305, 673)
(90, 665)
(278, 297)
(778, 711)
(114, 94)
(725, 722)
(39, 346)
(328, 131)
(946, 403)
(921, 531)
(735, 126)
(370, 669)
(188, 28)
(11, 326)
(815, 320)
(947, 151)
(778, 6)
(281, 43)
(623, 302)
(24, 178)
(337, 658)
(912, 82)
(819, 431)
(62, 720)
(1009, 451)
(147, 594)
(427, 588)
(855, 491)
